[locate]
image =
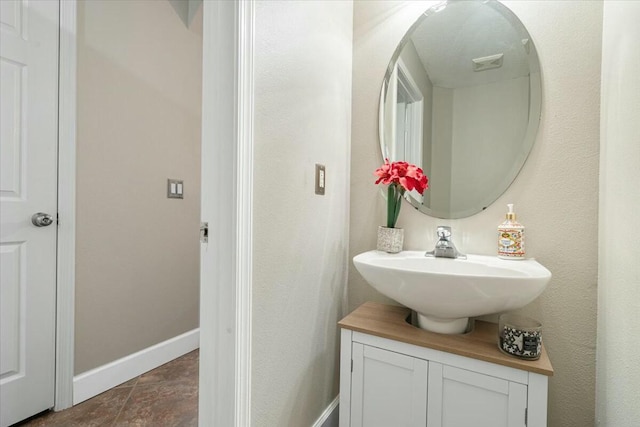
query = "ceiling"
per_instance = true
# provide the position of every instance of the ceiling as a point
(448, 39)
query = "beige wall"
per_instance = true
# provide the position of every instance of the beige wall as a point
(555, 194)
(139, 96)
(302, 117)
(618, 380)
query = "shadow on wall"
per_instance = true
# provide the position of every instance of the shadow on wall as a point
(326, 349)
(186, 9)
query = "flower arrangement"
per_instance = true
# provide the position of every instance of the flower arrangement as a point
(400, 177)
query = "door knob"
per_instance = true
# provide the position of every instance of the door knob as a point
(41, 219)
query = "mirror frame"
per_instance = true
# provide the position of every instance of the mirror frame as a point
(535, 113)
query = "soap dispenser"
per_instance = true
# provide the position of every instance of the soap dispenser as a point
(511, 237)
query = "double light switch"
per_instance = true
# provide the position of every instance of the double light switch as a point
(175, 189)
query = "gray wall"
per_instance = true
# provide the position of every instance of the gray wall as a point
(555, 195)
(139, 97)
(302, 117)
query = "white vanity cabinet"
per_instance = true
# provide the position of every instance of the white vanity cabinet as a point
(387, 388)
(396, 375)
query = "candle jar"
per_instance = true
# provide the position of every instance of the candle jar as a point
(520, 336)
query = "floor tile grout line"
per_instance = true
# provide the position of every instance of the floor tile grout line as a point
(115, 420)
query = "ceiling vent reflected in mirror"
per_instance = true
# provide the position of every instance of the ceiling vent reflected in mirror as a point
(487, 62)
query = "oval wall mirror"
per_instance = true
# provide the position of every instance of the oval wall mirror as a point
(461, 99)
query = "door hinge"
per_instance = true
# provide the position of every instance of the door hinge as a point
(57, 218)
(204, 232)
(351, 365)
(526, 416)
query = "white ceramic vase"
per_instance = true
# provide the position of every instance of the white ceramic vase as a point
(390, 239)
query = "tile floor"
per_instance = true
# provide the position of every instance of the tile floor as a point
(164, 397)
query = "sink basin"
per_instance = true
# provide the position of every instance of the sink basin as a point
(446, 292)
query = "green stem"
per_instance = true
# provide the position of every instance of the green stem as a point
(394, 202)
(398, 205)
(391, 206)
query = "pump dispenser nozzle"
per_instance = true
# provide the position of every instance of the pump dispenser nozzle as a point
(511, 215)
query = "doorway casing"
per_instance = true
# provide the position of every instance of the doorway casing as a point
(227, 151)
(65, 280)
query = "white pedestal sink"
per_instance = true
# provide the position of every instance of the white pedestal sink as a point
(446, 292)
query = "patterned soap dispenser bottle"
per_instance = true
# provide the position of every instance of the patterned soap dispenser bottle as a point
(511, 237)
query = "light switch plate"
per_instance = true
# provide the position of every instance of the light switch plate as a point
(321, 179)
(175, 189)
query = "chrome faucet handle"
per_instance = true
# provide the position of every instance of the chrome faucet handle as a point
(443, 232)
(444, 246)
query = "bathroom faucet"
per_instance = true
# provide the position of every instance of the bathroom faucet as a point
(445, 247)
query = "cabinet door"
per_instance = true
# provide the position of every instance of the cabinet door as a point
(387, 389)
(458, 397)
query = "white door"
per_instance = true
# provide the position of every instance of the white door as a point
(387, 389)
(458, 397)
(28, 156)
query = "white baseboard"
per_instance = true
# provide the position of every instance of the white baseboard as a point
(98, 380)
(329, 418)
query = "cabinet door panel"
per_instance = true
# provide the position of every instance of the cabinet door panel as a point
(388, 389)
(458, 397)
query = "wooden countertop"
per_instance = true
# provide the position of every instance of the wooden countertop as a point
(388, 321)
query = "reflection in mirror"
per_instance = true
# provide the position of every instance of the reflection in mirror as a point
(461, 99)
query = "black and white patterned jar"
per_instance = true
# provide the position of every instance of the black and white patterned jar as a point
(520, 336)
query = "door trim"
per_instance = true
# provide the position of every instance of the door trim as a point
(226, 267)
(66, 247)
(244, 175)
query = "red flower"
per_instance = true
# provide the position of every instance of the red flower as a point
(410, 177)
(400, 177)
